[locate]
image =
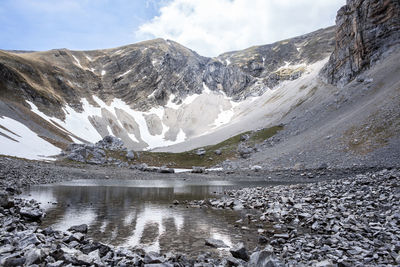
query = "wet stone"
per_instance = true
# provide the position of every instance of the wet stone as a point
(240, 251)
(215, 243)
(83, 228)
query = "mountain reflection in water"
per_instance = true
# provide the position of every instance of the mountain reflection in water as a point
(141, 214)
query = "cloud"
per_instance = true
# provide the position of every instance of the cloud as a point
(211, 27)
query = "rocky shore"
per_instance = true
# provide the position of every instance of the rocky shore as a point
(348, 222)
(329, 217)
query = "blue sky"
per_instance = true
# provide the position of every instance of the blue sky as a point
(209, 27)
(73, 24)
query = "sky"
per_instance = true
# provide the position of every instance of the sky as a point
(209, 27)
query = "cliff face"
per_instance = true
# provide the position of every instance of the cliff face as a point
(365, 31)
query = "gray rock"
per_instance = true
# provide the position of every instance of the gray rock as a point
(196, 169)
(55, 264)
(215, 243)
(153, 257)
(164, 169)
(110, 142)
(82, 228)
(357, 30)
(264, 259)
(245, 151)
(244, 137)
(5, 201)
(240, 251)
(7, 248)
(200, 152)
(33, 214)
(14, 261)
(33, 256)
(298, 166)
(256, 168)
(218, 152)
(130, 155)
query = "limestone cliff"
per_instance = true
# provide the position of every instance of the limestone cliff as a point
(366, 30)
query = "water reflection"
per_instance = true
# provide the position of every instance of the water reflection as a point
(140, 213)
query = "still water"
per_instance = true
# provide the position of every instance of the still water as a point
(139, 213)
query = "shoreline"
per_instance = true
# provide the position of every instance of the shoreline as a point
(300, 211)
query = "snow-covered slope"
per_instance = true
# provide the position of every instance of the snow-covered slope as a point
(19, 141)
(200, 119)
(155, 94)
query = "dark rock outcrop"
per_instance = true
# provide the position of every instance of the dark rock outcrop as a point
(366, 30)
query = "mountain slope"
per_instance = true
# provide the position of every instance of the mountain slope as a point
(151, 94)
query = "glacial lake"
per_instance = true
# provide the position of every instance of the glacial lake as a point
(140, 213)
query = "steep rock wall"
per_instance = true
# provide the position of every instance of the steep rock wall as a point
(365, 30)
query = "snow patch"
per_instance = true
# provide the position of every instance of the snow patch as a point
(171, 104)
(224, 117)
(206, 89)
(75, 123)
(103, 72)
(151, 95)
(29, 145)
(109, 130)
(88, 58)
(152, 140)
(77, 61)
(125, 73)
(118, 52)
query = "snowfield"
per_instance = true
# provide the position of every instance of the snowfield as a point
(20, 141)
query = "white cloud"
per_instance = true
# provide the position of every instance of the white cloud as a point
(211, 27)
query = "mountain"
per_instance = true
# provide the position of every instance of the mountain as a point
(334, 91)
(150, 94)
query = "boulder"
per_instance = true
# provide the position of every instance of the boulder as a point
(14, 261)
(82, 228)
(244, 151)
(130, 155)
(299, 166)
(33, 214)
(153, 257)
(164, 169)
(264, 258)
(33, 256)
(256, 168)
(5, 201)
(244, 137)
(239, 251)
(196, 169)
(110, 142)
(200, 152)
(215, 243)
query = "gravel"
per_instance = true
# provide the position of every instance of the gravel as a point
(353, 221)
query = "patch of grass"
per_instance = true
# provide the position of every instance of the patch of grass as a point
(372, 134)
(189, 159)
(286, 72)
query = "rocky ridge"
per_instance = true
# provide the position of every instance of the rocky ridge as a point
(150, 94)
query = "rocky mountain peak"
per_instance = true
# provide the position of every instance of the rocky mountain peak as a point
(366, 30)
(150, 94)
